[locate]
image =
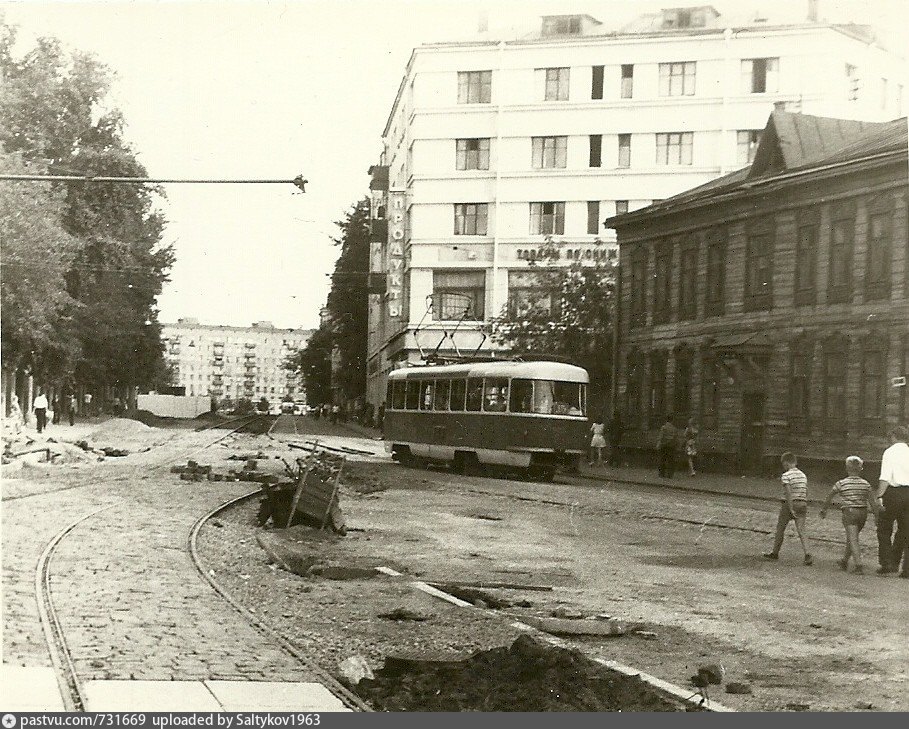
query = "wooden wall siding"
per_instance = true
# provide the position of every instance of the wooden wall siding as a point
(858, 323)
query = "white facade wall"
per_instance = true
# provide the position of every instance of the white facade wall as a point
(426, 121)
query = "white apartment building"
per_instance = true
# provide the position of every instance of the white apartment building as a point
(492, 146)
(233, 362)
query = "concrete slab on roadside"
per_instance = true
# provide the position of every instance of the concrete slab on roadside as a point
(274, 696)
(148, 696)
(30, 688)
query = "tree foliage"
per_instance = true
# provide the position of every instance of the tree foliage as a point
(54, 108)
(569, 314)
(313, 363)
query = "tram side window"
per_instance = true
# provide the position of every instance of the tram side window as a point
(413, 395)
(442, 389)
(458, 391)
(474, 394)
(389, 392)
(427, 387)
(521, 396)
(495, 395)
(397, 395)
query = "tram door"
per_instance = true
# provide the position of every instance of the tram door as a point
(752, 443)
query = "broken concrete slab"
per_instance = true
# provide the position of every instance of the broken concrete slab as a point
(567, 626)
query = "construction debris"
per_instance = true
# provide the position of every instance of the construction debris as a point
(738, 687)
(354, 669)
(403, 613)
(567, 626)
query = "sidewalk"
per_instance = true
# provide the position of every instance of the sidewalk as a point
(750, 487)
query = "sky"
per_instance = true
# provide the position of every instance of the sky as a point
(270, 89)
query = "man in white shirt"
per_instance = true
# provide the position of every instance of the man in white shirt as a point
(893, 496)
(40, 408)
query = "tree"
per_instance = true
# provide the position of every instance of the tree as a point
(54, 107)
(313, 363)
(568, 313)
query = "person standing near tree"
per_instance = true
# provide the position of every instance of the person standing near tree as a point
(16, 414)
(666, 442)
(40, 408)
(87, 403)
(72, 410)
(893, 499)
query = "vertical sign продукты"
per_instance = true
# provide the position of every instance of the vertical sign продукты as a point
(396, 225)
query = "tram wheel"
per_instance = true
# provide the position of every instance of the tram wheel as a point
(467, 464)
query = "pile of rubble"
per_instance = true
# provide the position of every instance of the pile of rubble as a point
(194, 471)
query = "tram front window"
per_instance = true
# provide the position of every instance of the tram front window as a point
(413, 395)
(558, 398)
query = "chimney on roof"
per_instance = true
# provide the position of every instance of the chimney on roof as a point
(812, 10)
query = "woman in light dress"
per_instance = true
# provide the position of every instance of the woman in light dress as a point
(597, 442)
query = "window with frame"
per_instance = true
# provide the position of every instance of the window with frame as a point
(634, 387)
(716, 274)
(474, 394)
(657, 399)
(412, 401)
(759, 272)
(710, 388)
(842, 239)
(596, 150)
(747, 141)
(555, 84)
(662, 283)
(443, 390)
(472, 154)
(561, 25)
(879, 255)
(459, 295)
(682, 385)
(800, 358)
(596, 84)
(474, 87)
(674, 148)
(806, 262)
(873, 387)
(397, 399)
(677, 79)
(760, 75)
(495, 394)
(470, 218)
(621, 207)
(688, 271)
(533, 291)
(833, 394)
(624, 150)
(549, 152)
(521, 398)
(593, 217)
(458, 393)
(547, 218)
(427, 388)
(627, 88)
(638, 287)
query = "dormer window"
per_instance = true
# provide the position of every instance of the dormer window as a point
(561, 25)
(685, 18)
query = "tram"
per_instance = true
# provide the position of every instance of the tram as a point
(527, 415)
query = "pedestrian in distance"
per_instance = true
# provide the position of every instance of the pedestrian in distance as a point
(87, 403)
(16, 414)
(615, 430)
(58, 410)
(893, 498)
(666, 444)
(855, 496)
(72, 409)
(691, 445)
(597, 442)
(40, 408)
(793, 508)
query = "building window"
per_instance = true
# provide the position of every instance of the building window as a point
(627, 89)
(549, 152)
(474, 87)
(852, 82)
(677, 79)
(662, 283)
(624, 150)
(473, 154)
(596, 86)
(593, 217)
(470, 218)
(760, 75)
(561, 25)
(657, 399)
(805, 264)
(834, 389)
(842, 235)
(716, 275)
(872, 397)
(547, 218)
(710, 389)
(799, 386)
(638, 287)
(556, 84)
(747, 141)
(458, 295)
(759, 272)
(621, 207)
(682, 387)
(533, 291)
(688, 281)
(674, 148)
(634, 388)
(596, 149)
(877, 263)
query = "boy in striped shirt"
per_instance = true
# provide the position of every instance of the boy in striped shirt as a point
(794, 507)
(855, 497)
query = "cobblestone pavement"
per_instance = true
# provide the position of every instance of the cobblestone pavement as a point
(130, 600)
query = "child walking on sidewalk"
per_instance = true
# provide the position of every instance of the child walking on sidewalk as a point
(794, 507)
(856, 497)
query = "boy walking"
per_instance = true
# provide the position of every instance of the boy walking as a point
(794, 507)
(856, 498)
